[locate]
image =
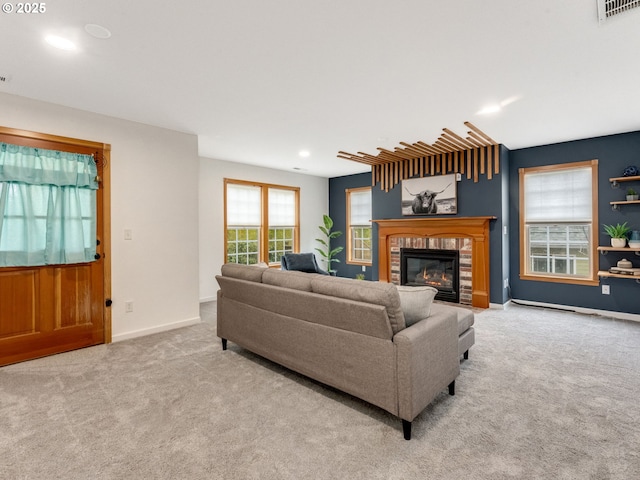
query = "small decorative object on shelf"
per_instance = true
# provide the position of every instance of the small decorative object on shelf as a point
(625, 271)
(625, 267)
(630, 171)
(634, 240)
(618, 234)
(631, 195)
(624, 263)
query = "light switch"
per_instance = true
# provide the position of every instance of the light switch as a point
(128, 234)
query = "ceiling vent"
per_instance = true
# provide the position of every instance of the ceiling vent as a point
(609, 8)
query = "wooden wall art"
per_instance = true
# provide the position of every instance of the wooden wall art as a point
(477, 154)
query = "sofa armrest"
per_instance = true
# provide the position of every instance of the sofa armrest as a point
(427, 362)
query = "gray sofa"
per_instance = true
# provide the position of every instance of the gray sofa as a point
(349, 334)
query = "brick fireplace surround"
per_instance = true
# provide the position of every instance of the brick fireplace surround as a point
(392, 233)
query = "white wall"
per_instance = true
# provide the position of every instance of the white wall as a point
(314, 202)
(154, 192)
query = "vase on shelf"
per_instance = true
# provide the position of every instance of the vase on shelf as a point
(618, 242)
(634, 240)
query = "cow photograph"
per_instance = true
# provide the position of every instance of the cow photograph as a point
(434, 195)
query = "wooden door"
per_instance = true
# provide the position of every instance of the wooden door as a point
(53, 309)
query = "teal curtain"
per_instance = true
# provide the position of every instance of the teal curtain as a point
(47, 207)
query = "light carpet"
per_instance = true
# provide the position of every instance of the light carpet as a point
(545, 395)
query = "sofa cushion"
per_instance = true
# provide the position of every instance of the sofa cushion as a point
(251, 273)
(416, 302)
(377, 293)
(465, 316)
(289, 279)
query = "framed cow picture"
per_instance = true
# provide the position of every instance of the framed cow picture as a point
(434, 195)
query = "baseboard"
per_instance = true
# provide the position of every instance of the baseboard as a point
(500, 306)
(587, 311)
(208, 299)
(161, 328)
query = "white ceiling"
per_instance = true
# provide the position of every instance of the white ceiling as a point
(260, 80)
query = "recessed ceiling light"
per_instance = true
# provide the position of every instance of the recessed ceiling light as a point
(304, 153)
(496, 107)
(97, 31)
(489, 109)
(60, 43)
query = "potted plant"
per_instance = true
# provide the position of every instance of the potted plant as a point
(326, 251)
(618, 234)
(631, 195)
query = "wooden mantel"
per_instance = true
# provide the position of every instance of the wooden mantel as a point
(475, 228)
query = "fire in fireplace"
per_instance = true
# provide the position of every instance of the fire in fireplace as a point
(435, 268)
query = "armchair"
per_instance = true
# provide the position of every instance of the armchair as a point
(303, 262)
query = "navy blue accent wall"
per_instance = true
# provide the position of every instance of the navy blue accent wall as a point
(484, 198)
(499, 197)
(506, 204)
(614, 153)
(338, 212)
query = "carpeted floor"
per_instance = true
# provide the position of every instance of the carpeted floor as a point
(545, 395)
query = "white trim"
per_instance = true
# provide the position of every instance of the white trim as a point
(209, 299)
(499, 306)
(162, 328)
(587, 311)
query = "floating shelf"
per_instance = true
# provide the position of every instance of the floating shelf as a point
(605, 274)
(604, 250)
(615, 181)
(616, 205)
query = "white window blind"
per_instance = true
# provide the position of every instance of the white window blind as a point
(558, 196)
(360, 207)
(282, 208)
(243, 205)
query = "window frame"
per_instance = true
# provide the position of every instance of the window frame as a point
(350, 246)
(525, 259)
(263, 247)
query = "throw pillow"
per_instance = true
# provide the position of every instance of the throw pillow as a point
(302, 262)
(416, 302)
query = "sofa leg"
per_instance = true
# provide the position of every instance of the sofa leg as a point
(466, 355)
(452, 388)
(406, 429)
(224, 343)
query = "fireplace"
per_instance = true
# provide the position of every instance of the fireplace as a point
(475, 229)
(435, 268)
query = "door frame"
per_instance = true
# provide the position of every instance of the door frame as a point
(103, 151)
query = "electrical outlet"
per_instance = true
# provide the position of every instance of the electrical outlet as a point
(506, 283)
(128, 307)
(606, 290)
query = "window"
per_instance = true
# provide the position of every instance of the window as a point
(261, 222)
(359, 225)
(558, 222)
(47, 206)
(282, 222)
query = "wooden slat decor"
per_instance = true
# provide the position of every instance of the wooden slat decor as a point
(476, 155)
